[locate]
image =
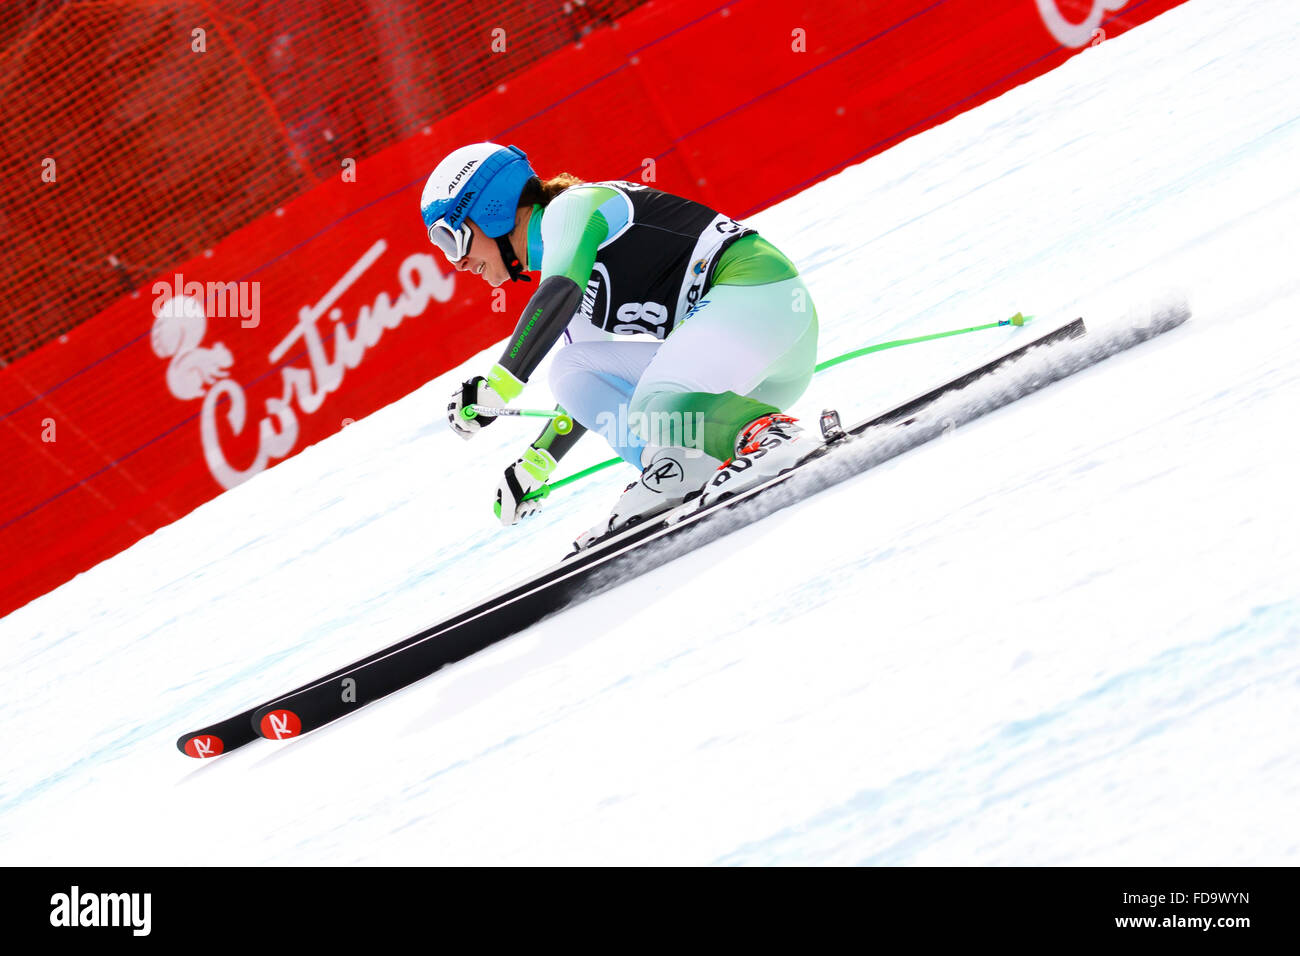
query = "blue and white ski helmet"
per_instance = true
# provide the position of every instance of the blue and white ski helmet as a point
(481, 182)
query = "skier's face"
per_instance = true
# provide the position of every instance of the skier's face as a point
(483, 259)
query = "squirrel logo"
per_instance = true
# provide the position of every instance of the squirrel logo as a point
(178, 331)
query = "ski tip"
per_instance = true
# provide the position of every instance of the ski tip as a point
(279, 725)
(201, 746)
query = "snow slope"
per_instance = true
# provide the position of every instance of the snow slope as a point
(1065, 633)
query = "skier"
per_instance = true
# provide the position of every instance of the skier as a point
(695, 407)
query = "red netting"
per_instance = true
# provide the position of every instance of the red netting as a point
(127, 148)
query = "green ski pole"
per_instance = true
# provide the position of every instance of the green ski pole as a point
(1019, 319)
(563, 423)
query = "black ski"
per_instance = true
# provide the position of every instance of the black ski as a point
(595, 569)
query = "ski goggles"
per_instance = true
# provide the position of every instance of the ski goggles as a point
(454, 241)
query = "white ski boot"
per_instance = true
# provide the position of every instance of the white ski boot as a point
(768, 446)
(673, 477)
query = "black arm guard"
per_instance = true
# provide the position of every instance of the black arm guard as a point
(543, 322)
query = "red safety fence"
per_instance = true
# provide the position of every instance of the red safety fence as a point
(138, 133)
(332, 304)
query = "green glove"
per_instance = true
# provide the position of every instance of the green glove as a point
(524, 486)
